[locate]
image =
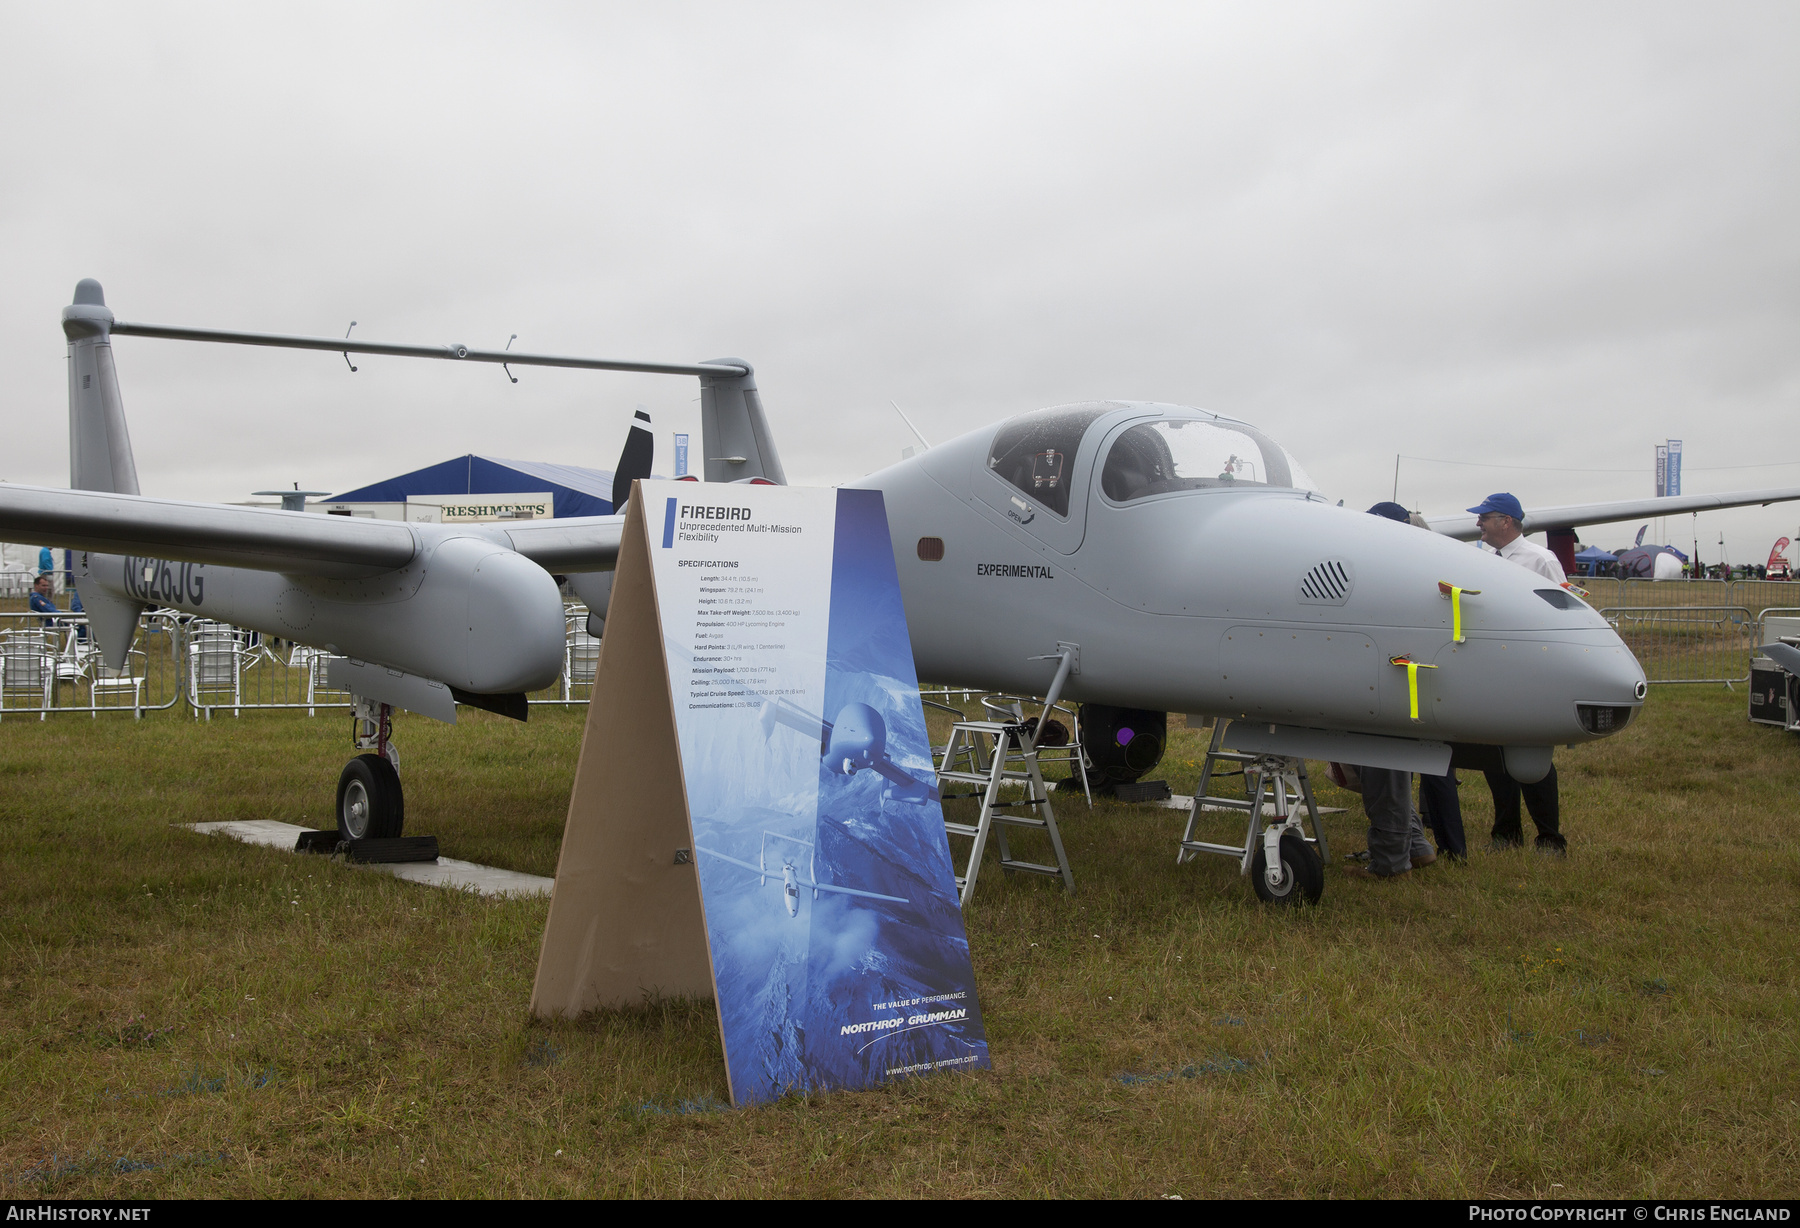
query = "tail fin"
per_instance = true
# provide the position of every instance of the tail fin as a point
(634, 460)
(99, 443)
(99, 453)
(733, 430)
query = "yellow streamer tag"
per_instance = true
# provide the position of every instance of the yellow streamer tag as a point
(1452, 591)
(1412, 680)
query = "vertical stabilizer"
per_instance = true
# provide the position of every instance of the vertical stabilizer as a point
(99, 443)
(733, 431)
(635, 459)
(99, 453)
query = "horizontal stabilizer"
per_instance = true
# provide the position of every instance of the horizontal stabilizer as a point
(577, 544)
(1461, 526)
(260, 538)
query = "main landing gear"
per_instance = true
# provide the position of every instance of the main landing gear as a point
(370, 803)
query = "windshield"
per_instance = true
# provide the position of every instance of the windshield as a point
(1035, 452)
(1155, 458)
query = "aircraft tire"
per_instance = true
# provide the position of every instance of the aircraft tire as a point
(370, 802)
(1302, 873)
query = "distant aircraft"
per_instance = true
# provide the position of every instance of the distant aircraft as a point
(790, 879)
(1139, 558)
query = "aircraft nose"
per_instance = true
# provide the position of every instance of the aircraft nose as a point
(1519, 660)
(1526, 688)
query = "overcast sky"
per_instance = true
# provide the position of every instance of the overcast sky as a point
(1537, 235)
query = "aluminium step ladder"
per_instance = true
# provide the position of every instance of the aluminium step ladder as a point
(1276, 783)
(979, 753)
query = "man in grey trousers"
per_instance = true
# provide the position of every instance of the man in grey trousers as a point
(1397, 843)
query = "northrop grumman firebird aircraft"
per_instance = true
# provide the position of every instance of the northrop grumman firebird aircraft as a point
(1138, 558)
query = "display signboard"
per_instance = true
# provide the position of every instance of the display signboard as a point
(756, 661)
(467, 509)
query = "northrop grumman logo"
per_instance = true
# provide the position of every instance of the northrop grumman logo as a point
(1016, 571)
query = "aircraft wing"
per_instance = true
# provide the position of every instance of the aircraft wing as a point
(867, 895)
(899, 775)
(261, 538)
(1539, 519)
(734, 861)
(577, 544)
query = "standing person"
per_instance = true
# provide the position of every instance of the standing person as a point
(1502, 524)
(1397, 842)
(1437, 794)
(1443, 811)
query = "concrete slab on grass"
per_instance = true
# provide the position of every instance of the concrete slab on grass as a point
(1182, 801)
(445, 872)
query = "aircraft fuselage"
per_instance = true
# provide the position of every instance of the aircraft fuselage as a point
(465, 611)
(1199, 601)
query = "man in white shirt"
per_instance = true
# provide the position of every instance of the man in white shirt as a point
(1502, 524)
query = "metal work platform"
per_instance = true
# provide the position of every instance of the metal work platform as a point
(993, 755)
(1279, 858)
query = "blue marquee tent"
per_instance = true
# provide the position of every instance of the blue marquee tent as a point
(576, 491)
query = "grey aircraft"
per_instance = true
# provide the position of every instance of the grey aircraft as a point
(1137, 558)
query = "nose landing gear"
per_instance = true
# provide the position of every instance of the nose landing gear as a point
(370, 802)
(1282, 864)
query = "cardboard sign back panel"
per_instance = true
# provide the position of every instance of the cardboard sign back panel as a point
(838, 949)
(756, 702)
(625, 918)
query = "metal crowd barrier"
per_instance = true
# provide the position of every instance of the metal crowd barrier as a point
(212, 667)
(1678, 644)
(1605, 592)
(49, 664)
(56, 668)
(581, 657)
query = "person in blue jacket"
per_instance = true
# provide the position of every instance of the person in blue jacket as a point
(40, 602)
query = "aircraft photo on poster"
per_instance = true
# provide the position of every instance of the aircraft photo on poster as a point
(838, 949)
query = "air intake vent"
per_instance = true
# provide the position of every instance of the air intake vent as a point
(1327, 584)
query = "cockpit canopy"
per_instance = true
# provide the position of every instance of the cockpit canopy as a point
(1180, 449)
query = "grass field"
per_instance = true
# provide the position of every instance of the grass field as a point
(189, 1016)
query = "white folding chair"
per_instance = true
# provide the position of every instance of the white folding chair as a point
(215, 657)
(28, 667)
(313, 661)
(106, 680)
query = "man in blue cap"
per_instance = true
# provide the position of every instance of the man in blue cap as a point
(1397, 842)
(1502, 524)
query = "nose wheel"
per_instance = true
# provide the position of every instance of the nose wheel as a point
(371, 805)
(1282, 864)
(1300, 877)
